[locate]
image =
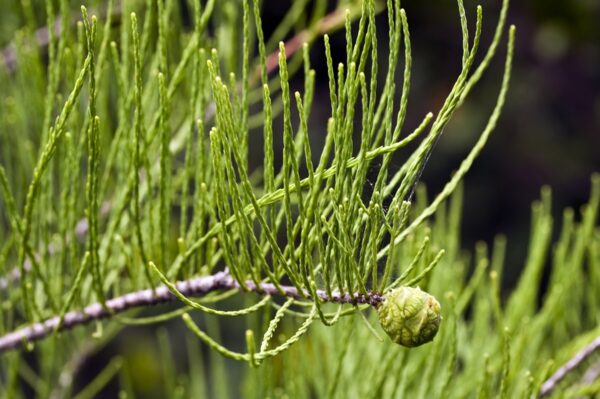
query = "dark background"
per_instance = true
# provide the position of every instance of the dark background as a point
(549, 132)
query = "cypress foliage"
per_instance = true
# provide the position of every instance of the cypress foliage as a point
(129, 178)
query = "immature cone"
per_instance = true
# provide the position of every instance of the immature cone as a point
(410, 317)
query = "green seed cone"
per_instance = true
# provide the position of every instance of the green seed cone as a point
(410, 317)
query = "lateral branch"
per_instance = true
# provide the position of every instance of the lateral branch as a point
(195, 287)
(551, 383)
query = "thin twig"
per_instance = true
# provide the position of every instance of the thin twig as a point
(592, 374)
(327, 24)
(65, 379)
(13, 276)
(80, 233)
(41, 38)
(551, 383)
(194, 287)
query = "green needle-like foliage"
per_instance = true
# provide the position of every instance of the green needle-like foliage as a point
(130, 175)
